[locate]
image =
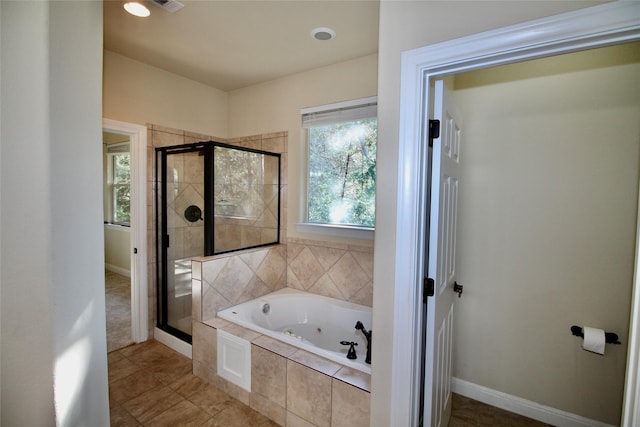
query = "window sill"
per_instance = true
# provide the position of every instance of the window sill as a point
(119, 227)
(337, 230)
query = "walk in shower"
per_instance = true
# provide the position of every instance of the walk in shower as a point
(211, 198)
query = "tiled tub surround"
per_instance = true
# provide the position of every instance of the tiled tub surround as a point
(159, 136)
(228, 279)
(335, 270)
(290, 386)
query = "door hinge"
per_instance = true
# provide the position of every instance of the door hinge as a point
(434, 131)
(429, 288)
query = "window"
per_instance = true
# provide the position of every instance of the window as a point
(341, 168)
(119, 164)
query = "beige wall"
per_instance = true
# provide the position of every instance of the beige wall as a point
(407, 25)
(275, 106)
(53, 339)
(141, 94)
(547, 226)
(138, 93)
(117, 249)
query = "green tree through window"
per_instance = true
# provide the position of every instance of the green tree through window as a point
(121, 188)
(342, 173)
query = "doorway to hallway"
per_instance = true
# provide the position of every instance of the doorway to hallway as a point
(131, 251)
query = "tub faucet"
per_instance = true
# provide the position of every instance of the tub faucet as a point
(367, 335)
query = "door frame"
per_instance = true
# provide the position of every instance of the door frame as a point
(598, 26)
(139, 289)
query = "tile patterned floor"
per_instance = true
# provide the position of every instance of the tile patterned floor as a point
(152, 385)
(118, 307)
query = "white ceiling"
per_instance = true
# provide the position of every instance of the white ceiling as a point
(234, 44)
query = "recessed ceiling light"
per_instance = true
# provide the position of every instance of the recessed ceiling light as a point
(137, 9)
(323, 33)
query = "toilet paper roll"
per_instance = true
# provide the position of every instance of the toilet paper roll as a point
(594, 340)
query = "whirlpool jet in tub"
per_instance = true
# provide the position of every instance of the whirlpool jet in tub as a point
(312, 322)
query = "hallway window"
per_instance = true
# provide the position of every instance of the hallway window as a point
(341, 167)
(119, 164)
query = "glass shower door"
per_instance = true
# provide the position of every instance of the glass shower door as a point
(181, 232)
(246, 198)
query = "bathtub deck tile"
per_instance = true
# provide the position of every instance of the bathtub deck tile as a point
(204, 372)
(275, 346)
(218, 323)
(268, 375)
(241, 332)
(293, 420)
(233, 390)
(317, 363)
(355, 378)
(350, 406)
(205, 345)
(270, 409)
(309, 394)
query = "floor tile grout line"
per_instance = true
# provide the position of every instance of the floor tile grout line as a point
(165, 409)
(466, 412)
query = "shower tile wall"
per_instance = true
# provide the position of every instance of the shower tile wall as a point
(335, 270)
(159, 136)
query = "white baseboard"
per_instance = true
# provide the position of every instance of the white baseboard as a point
(172, 342)
(518, 405)
(114, 268)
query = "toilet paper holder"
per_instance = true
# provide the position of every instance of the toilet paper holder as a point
(609, 337)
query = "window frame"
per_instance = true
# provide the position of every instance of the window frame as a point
(113, 186)
(339, 230)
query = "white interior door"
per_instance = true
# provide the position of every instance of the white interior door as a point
(445, 180)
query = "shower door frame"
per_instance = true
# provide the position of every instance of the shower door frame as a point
(208, 147)
(162, 236)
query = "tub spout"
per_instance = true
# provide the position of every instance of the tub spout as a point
(367, 335)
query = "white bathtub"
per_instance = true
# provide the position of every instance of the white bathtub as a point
(312, 322)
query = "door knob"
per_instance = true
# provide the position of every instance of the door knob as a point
(457, 289)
